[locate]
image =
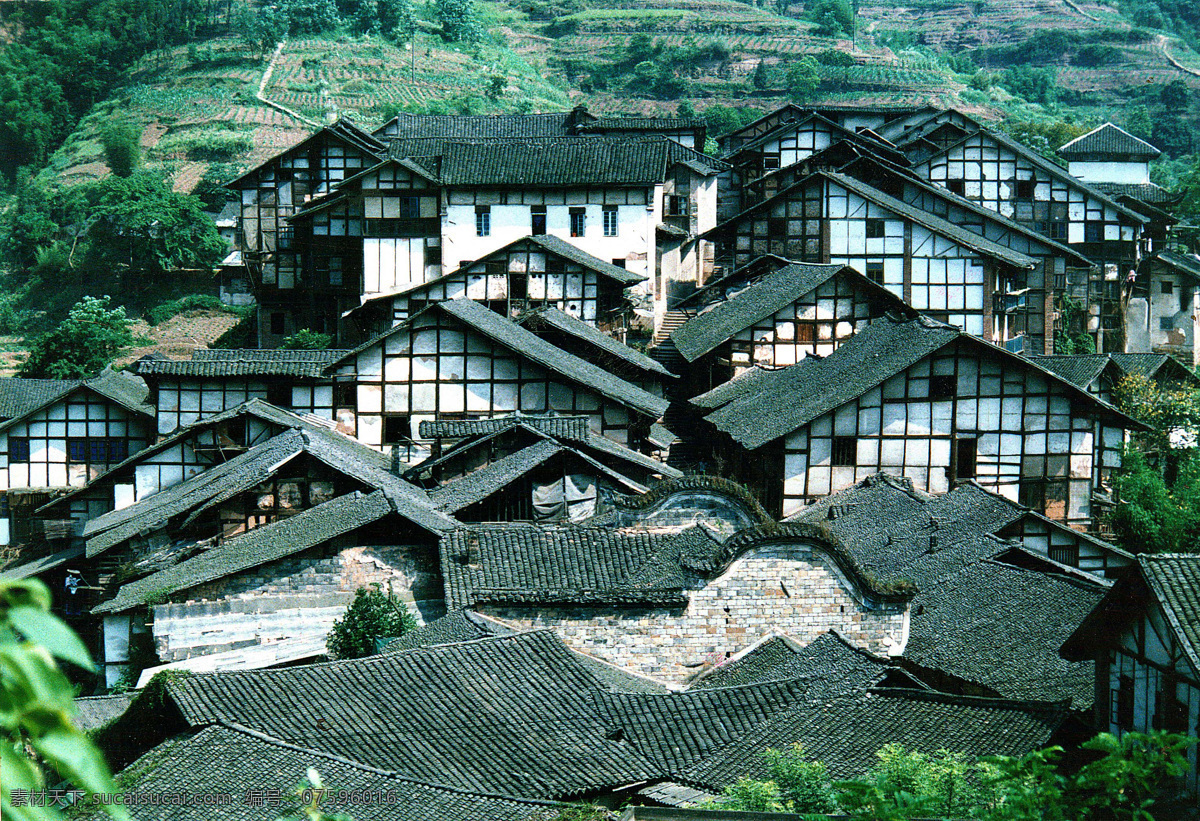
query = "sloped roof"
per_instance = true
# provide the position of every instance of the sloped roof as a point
(1111, 140)
(1078, 369)
(240, 761)
(560, 162)
(1147, 193)
(1183, 263)
(537, 563)
(771, 293)
(257, 547)
(568, 427)
(846, 732)
(974, 617)
(481, 483)
(207, 363)
(343, 130)
(512, 714)
(560, 246)
(455, 626)
(253, 467)
(829, 664)
(21, 397)
(492, 126)
(93, 712)
(526, 344)
(1174, 578)
(676, 730)
(1151, 365)
(552, 317)
(760, 409)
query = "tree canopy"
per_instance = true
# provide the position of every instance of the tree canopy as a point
(83, 344)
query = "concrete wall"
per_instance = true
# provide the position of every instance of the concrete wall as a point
(791, 589)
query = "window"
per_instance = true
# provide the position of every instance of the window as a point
(610, 220)
(875, 229)
(619, 262)
(1065, 553)
(964, 453)
(18, 449)
(1185, 297)
(1093, 232)
(676, 205)
(98, 451)
(483, 221)
(956, 187)
(537, 220)
(345, 395)
(1166, 323)
(433, 255)
(1121, 706)
(1170, 713)
(578, 221)
(410, 208)
(335, 270)
(397, 429)
(1168, 286)
(845, 451)
(942, 386)
(770, 162)
(277, 323)
(279, 394)
(1025, 189)
(1058, 230)
(777, 227)
(875, 272)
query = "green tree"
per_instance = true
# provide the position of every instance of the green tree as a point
(1138, 122)
(121, 149)
(398, 19)
(373, 615)
(803, 79)
(83, 344)
(834, 18)
(306, 340)
(458, 20)
(762, 78)
(261, 27)
(1175, 98)
(310, 16)
(36, 705)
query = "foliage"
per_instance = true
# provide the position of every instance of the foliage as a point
(121, 149)
(310, 16)
(723, 119)
(582, 812)
(1070, 332)
(37, 705)
(763, 77)
(458, 20)
(372, 615)
(306, 340)
(1038, 85)
(83, 344)
(803, 79)
(1172, 411)
(260, 27)
(189, 302)
(1125, 781)
(834, 18)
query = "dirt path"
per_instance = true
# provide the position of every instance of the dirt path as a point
(1161, 41)
(1081, 11)
(262, 87)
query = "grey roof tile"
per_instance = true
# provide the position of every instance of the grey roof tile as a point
(94, 712)
(512, 714)
(1108, 139)
(1174, 579)
(455, 626)
(242, 362)
(553, 318)
(228, 758)
(567, 427)
(20, 396)
(829, 664)
(846, 732)
(262, 545)
(1079, 369)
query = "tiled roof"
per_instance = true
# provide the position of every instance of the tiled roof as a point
(1174, 578)
(769, 294)
(828, 664)
(567, 427)
(94, 712)
(520, 341)
(522, 563)
(1153, 365)
(1080, 369)
(228, 758)
(566, 162)
(512, 715)
(483, 482)
(242, 362)
(455, 626)
(491, 126)
(760, 406)
(976, 618)
(1108, 139)
(846, 732)
(560, 246)
(253, 467)
(1185, 263)
(1148, 193)
(534, 563)
(20, 397)
(262, 545)
(552, 318)
(342, 130)
(677, 730)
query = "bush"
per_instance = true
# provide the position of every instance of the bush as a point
(192, 302)
(83, 344)
(306, 340)
(373, 615)
(121, 149)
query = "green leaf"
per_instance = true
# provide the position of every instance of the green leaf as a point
(50, 632)
(73, 755)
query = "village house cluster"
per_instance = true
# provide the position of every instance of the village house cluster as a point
(675, 457)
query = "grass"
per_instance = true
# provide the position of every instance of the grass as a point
(191, 302)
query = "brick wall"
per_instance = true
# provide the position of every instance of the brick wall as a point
(786, 589)
(301, 595)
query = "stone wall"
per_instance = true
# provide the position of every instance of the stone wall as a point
(298, 596)
(790, 589)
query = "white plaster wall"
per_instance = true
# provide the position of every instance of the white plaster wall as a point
(1132, 173)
